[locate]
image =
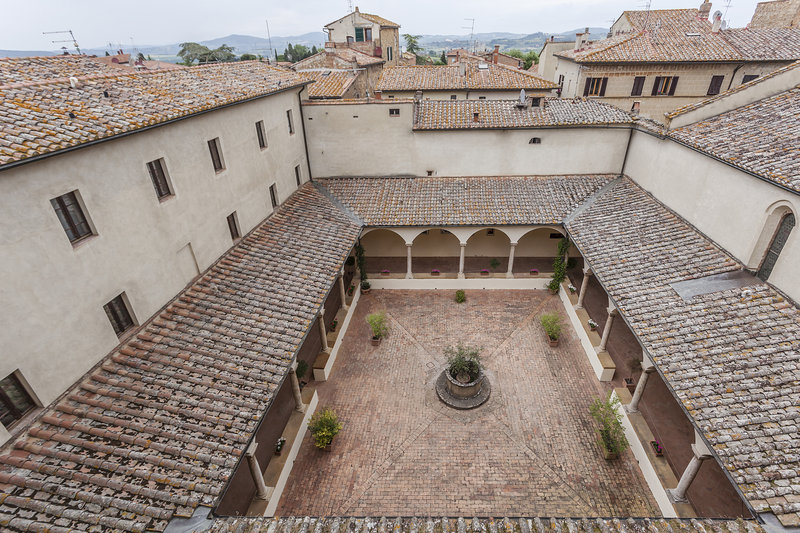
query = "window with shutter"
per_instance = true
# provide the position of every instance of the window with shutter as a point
(119, 315)
(359, 35)
(638, 85)
(716, 85)
(159, 177)
(15, 402)
(73, 220)
(776, 246)
(216, 155)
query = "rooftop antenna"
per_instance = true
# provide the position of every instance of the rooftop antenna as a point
(269, 39)
(70, 40)
(471, 29)
(647, 4)
(727, 7)
(349, 6)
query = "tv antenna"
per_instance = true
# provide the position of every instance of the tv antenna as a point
(471, 29)
(269, 40)
(70, 40)
(646, 6)
(349, 6)
(727, 7)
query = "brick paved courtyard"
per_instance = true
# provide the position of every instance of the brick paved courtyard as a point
(528, 451)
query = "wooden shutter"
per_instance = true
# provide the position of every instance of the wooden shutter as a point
(638, 85)
(586, 88)
(716, 84)
(603, 87)
(673, 85)
(655, 86)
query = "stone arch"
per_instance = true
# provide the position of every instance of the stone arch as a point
(487, 248)
(779, 222)
(384, 249)
(435, 248)
(537, 249)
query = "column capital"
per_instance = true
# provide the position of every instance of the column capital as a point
(699, 448)
(612, 310)
(251, 449)
(409, 244)
(648, 369)
(587, 271)
(512, 243)
(463, 244)
(321, 312)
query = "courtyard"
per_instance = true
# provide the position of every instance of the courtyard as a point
(530, 450)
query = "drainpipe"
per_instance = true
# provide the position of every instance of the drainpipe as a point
(627, 149)
(305, 139)
(740, 65)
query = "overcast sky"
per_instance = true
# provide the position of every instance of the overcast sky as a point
(96, 23)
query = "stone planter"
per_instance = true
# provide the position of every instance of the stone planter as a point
(376, 341)
(435, 272)
(607, 455)
(385, 273)
(553, 343)
(657, 448)
(464, 390)
(365, 291)
(484, 273)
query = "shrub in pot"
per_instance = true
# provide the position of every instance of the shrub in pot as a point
(611, 436)
(365, 286)
(378, 326)
(300, 371)
(551, 322)
(463, 362)
(324, 426)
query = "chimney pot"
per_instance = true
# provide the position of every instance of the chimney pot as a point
(476, 117)
(717, 22)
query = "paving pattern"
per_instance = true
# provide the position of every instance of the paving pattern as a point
(529, 450)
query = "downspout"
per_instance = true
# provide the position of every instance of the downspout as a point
(627, 149)
(305, 139)
(734, 75)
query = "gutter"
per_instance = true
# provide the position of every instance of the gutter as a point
(40, 157)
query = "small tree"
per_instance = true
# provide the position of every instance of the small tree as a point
(361, 261)
(378, 325)
(463, 360)
(412, 42)
(247, 57)
(609, 419)
(461, 296)
(324, 425)
(443, 58)
(551, 322)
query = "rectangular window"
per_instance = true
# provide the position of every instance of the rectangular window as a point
(216, 155)
(359, 35)
(15, 402)
(481, 98)
(664, 86)
(749, 77)
(394, 112)
(233, 226)
(273, 195)
(595, 87)
(389, 53)
(261, 134)
(71, 216)
(715, 86)
(638, 85)
(159, 177)
(453, 97)
(290, 120)
(367, 34)
(297, 175)
(119, 315)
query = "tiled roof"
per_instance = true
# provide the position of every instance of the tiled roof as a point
(329, 83)
(481, 525)
(463, 201)
(156, 429)
(762, 137)
(47, 117)
(659, 36)
(380, 20)
(732, 357)
(51, 68)
(447, 77)
(337, 58)
(504, 114)
(765, 44)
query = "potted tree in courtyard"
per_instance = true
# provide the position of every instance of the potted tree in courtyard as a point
(551, 323)
(324, 425)
(611, 436)
(378, 326)
(464, 370)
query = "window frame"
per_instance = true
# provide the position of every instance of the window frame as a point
(233, 226)
(664, 86)
(715, 86)
(215, 149)
(161, 181)
(12, 408)
(394, 111)
(120, 314)
(66, 216)
(638, 85)
(290, 120)
(595, 87)
(367, 34)
(298, 175)
(776, 245)
(261, 135)
(273, 196)
(361, 31)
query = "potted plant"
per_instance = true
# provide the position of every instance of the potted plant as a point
(464, 370)
(634, 365)
(534, 272)
(279, 445)
(300, 372)
(334, 324)
(351, 289)
(365, 287)
(385, 272)
(611, 434)
(572, 288)
(657, 448)
(592, 324)
(551, 322)
(494, 263)
(484, 272)
(378, 326)
(554, 286)
(435, 272)
(461, 296)
(324, 426)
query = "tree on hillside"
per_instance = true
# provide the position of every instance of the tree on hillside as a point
(296, 53)
(191, 52)
(247, 57)
(529, 58)
(412, 43)
(443, 59)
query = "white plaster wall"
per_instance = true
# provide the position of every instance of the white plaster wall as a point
(341, 29)
(728, 205)
(376, 145)
(538, 243)
(52, 324)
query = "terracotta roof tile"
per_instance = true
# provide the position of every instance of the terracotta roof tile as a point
(328, 83)
(460, 114)
(380, 20)
(338, 58)
(156, 429)
(447, 77)
(40, 116)
(765, 44)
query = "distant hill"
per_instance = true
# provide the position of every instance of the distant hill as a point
(507, 41)
(25, 53)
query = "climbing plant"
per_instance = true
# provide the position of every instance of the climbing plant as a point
(360, 260)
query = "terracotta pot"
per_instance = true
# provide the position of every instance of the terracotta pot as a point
(593, 328)
(376, 341)
(365, 291)
(278, 452)
(553, 343)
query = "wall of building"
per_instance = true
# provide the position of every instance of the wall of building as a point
(547, 59)
(728, 205)
(390, 37)
(374, 144)
(149, 249)
(339, 31)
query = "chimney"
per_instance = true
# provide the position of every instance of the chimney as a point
(496, 54)
(462, 69)
(717, 22)
(357, 11)
(705, 9)
(476, 117)
(552, 38)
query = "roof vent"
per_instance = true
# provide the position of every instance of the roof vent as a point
(692, 34)
(71, 114)
(74, 83)
(483, 66)
(105, 94)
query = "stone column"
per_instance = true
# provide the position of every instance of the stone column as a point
(510, 271)
(342, 291)
(461, 261)
(409, 275)
(298, 398)
(323, 332)
(587, 272)
(262, 493)
(612, 312)
(647, 369)
(700, 453)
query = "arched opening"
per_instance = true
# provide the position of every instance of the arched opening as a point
(435, 249)
(487, 249)
(384, 250)
(784, 227)
(537, 249)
